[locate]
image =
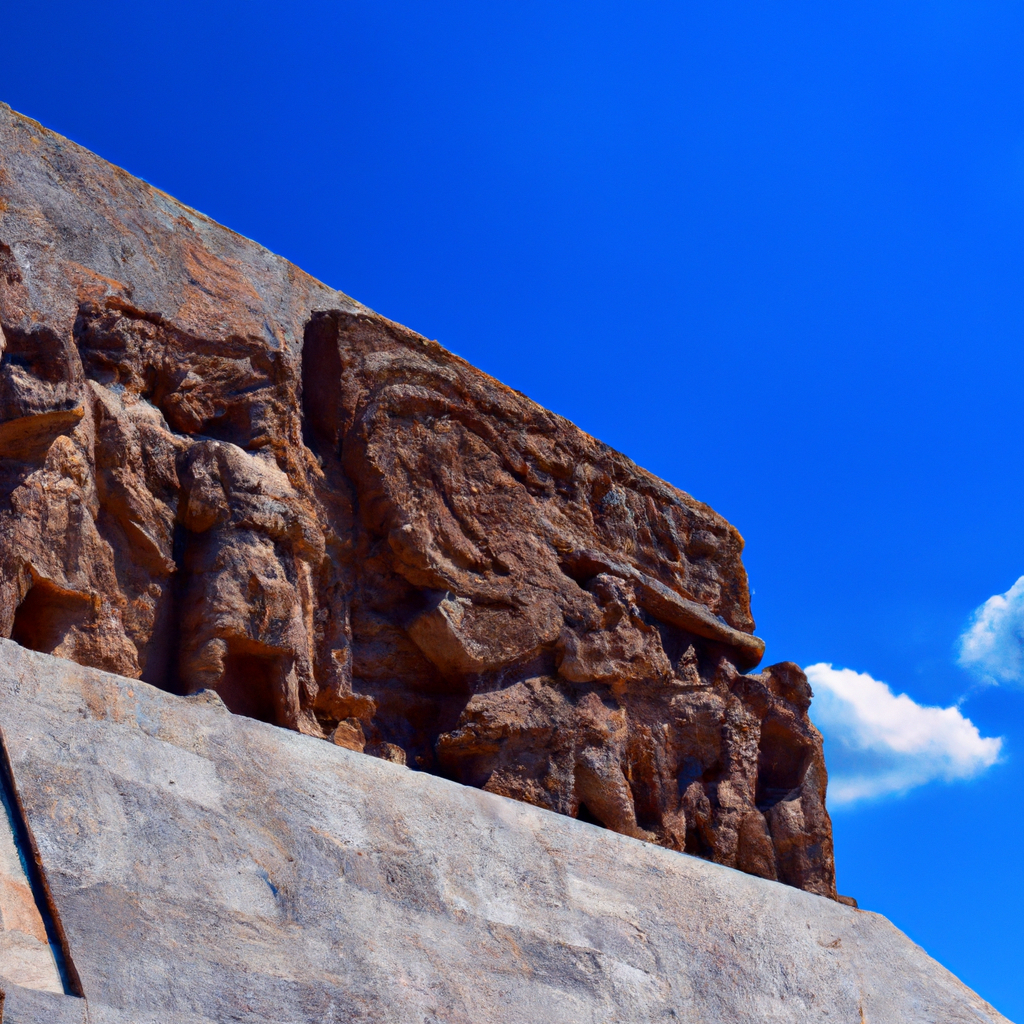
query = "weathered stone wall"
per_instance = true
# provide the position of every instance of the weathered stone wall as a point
(206, 868)
(216, 473)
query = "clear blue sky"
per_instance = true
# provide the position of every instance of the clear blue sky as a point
(774, 252)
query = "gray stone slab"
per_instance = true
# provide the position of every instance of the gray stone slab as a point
(210, 868)
(30, 1006)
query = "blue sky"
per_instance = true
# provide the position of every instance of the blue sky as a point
(774, 252)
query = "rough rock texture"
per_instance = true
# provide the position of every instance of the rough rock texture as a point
(216, 473)
(205, 867)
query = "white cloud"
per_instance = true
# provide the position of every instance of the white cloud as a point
(880, 743)
(992, 646)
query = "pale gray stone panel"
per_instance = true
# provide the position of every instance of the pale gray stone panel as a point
(211, 868)
(31, 1006)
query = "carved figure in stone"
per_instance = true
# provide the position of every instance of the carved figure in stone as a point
(217, 474)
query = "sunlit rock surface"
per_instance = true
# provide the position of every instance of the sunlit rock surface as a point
(205, 867)
(218, 474)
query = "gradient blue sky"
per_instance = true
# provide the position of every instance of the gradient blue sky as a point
(774, 252)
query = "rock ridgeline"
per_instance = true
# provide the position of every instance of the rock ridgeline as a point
(218, 474)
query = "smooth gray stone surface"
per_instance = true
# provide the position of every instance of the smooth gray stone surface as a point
(29, 1006)
(210, 868)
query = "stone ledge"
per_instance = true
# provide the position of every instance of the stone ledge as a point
(207, 867)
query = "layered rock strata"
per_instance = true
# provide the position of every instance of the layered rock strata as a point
(205, 868)
(218, 474)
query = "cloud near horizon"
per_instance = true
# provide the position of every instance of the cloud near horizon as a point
(883, 744)
(992, 645)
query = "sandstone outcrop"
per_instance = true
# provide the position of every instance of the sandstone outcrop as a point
(205, 868)
(218, 474)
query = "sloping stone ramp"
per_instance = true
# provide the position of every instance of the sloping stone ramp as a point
(198, 866)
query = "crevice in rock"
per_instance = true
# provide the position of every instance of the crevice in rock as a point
(585, 814)
(321, 384)
(32, 864)
(254, 682)
(783, 757)
(47, 614)
(162, 656)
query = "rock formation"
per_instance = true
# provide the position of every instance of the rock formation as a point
(204, 868)
(218, 474)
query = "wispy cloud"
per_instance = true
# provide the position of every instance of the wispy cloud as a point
(992, 646)
(881, 743)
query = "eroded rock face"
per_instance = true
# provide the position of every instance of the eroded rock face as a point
(217, 474)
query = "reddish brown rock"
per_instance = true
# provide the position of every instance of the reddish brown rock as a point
(218, 474)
